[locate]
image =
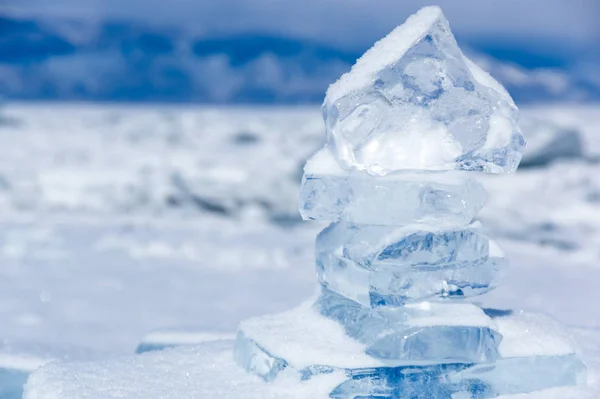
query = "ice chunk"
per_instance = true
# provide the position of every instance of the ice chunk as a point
(423, 333)
(339, 334)
(18, 359)
(331, 193)
(170, 338)
(303, 338)
(430, 382)
(547, 142)
(253, 358)
(536, 353)
(205, 371)
(414, 101)
(385, 265)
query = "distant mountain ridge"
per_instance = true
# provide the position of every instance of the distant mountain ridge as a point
(106, 60)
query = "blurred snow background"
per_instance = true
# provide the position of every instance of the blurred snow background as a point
(117, 220)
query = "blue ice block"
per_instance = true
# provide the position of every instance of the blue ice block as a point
(385, 265)
(330, 193)
(414, 101)
(334, 333)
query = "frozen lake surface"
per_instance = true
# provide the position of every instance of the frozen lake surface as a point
(118, 220)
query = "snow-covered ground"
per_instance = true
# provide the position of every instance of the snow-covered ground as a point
(118, 220)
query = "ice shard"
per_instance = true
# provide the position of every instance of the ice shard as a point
(415, 102)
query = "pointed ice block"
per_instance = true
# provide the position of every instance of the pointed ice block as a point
(331, 193)
(414, 101)
(385, 265)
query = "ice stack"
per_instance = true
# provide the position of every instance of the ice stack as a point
(408, 129)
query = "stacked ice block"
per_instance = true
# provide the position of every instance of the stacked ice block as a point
(408, 129)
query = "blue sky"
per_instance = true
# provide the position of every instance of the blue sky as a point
(545, 26)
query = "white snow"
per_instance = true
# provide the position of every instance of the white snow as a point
(386, 51)
(206, 371)
(529, 334)
(304, 338)
(69, 275)
(449, 314)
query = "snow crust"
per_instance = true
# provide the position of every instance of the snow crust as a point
(206, 371)
(529, 334)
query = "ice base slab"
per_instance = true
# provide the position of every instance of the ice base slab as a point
(329, 193)
(336, 333)
(385, 265)
(209, 371)
(18, 359)
(175, 337)
(535, 354)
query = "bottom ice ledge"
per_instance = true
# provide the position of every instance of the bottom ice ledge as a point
(209, 371)
(535, 354)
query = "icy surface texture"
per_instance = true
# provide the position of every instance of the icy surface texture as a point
(384, 265)
(304, 338)
(414, 101)
(205, 371)
(547, 142)
(170, 338)
(208, 371)
(331, 193)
